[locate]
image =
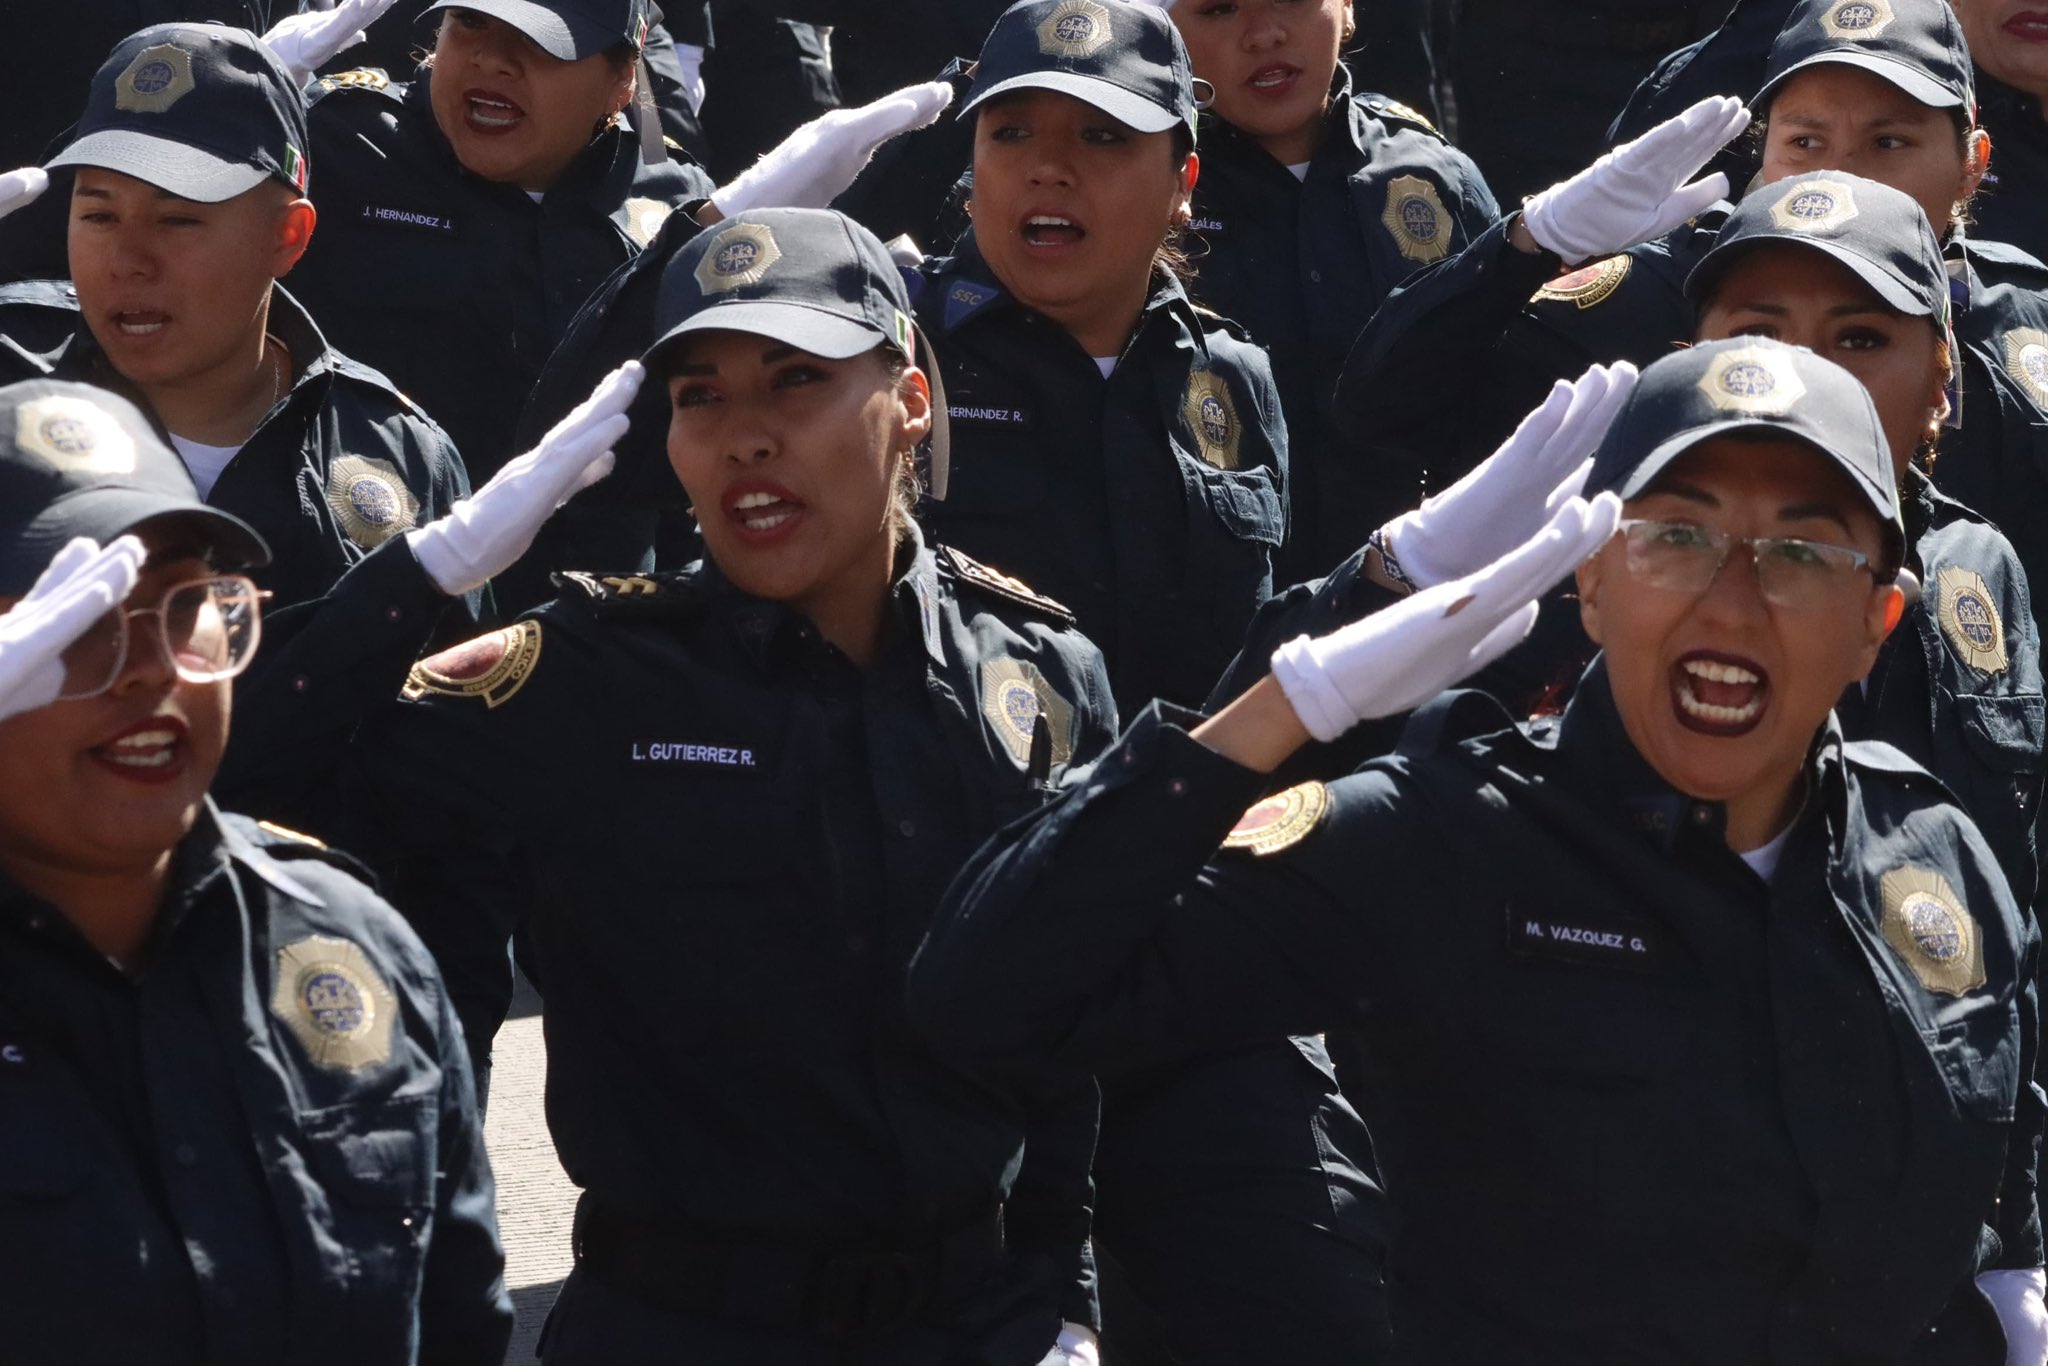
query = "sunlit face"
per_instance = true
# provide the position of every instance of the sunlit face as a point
(512, 112)
(1070, 207)
(110, 784)
(176, 291)
(2008, 40)
(1721, 691)
(1271, 62)
(790, 459)
(1804, 298)
(1841, 118)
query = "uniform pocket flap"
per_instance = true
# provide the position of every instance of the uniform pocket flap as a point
(380, 1155)
(2006, 732)
(1247, 502)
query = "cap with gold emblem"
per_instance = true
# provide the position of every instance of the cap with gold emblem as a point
(1126, 60)
(201, 110)
(78, 461)
(1916, 45)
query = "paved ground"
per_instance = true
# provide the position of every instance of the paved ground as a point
(535, 1201)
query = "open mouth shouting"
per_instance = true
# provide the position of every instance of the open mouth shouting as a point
(140, 322)
(1718, 694)
(486, 111)
(761, 512)
(1277, 79)
(153, 750)
(1052, 231)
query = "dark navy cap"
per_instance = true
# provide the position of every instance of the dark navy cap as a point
(201, 110)
(1749, 385)
(1879, 233)
(568, 29)
(1126, 59)
(1917, 45)
(809, 278)
(78, 461)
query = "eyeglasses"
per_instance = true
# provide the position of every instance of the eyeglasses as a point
(1792, 573)
(205, 630)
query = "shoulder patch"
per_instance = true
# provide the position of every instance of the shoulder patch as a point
(1280, 821)
(492, 667)
(1588, 285)
(973, 571)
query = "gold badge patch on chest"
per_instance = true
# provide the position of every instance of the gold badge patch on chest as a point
(644, 218)
(1588, 285)
(369, 500)
(1212, 419)
(1926, 926)
(330, 996)
(493, 666)
(1416, 218)
(2026, 356)
(1016, 699)
(1970, 620)
(1280, 821)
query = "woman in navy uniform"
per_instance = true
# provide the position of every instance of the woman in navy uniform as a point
(1684, 960)
(1314, 202)
(237, 1124)
(724, 801)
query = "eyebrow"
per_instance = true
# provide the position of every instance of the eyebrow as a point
(1896, 118)
(1804, 512)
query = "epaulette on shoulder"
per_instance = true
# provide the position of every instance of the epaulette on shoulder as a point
(612, 596)
(287, 845)
(2012, 263)
(367, 78)
(973, 572)
(1451, 719)
(1212, 317)
(1393, 111)
(1879, 756)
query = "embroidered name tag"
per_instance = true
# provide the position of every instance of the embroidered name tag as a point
(992, 413)
(684, 754)
(1574, 937)
(386, 216)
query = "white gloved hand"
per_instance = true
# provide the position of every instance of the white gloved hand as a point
(1398, 658)
(19, 189)
(814, 165)
(82, 584)
(2016, 1296)
(1515, 490)
(303, 43)
(1076, 1346)
(1637, 192)
(486, 532)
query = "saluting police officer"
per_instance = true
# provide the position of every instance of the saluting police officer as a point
(1684, 960)
(238, 1125)
(2010, 47)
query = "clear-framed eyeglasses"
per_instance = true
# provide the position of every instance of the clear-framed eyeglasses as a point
(205, 630)
(1792, 573)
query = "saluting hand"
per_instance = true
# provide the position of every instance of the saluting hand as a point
(19, 189)
(485, 533)
(1509, 496)
(1398, 658)
(304, 43)
(814, 165)
(1638, 192)
(82, 584)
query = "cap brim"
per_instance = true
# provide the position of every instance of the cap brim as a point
(105, 513)
(805, 328)
(1131, 110)
(557, 35)
(177, 167)
(1911, 79)
(1883, 503)
(1887, 286)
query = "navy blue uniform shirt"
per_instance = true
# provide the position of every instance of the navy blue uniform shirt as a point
(260, 1147)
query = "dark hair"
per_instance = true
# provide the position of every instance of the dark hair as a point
(1173, 257)
(906, 489)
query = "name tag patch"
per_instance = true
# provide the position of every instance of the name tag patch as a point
(388, 216)
(690, 754)
(992, 413)
(1575, 937)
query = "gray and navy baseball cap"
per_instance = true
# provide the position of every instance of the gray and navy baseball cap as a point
(1917, 45)
(1750, 385)
(568, 29)
(1879, 233)
(78, 461)
(809, 278)
(1126, 59)
(201, 110)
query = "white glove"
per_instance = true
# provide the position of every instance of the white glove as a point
(814, 165)
(1398, 658)
(1515, 490)
(690, 61)
(2017, 1298)
(1076, 1346)
(1637, 192)
(19, 189)
(484, 533)
(303, 43)
(82, 584)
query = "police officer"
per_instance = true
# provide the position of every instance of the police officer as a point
(2008, 43)
(1706, 965)
(1313, 204)
(238, 1124)
(726, 800)
(470, 212)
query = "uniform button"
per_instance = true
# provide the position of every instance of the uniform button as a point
(301, 683)
(392, 614)
(187, 1155)
(1315, 277)
(1702, 815)
(909, 828)
(1178, 788)
(35, 922)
